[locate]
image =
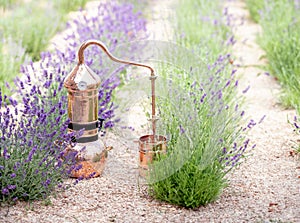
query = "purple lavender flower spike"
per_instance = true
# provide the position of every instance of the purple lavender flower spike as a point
(13, 175)
(262, 119)
(11, 187)
(5, 191)
(182, 130)
(246, 90)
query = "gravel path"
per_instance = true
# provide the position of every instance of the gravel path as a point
(266, 188)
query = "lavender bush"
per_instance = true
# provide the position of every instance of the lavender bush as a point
(33, 134)
(202, 116)
(32, 145)
(204, 124)
(12, 55)
(280, 40)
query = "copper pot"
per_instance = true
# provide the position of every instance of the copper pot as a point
(150, 149)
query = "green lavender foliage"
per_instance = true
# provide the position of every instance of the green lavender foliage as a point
(200, 122)
(199, 27)
(32, 147)
(191, 186)
(30, 25)
(255, 8)
(65, 6)
(5, 4)
(280, 21)
(12, 55)
(200, 112)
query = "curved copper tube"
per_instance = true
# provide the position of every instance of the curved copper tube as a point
(152, 77)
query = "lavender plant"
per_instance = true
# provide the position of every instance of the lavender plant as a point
(66, 6)
(7, 4)
(33, 135)
(28, 24)
(12, 55)
(280, 39)
(283, 58)
(202, 115)
(199, 28)
(255, 8)
(32, 145)
(206, 138)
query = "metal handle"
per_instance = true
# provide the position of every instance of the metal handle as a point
(152, 76)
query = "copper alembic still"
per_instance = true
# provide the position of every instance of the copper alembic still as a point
(82, 85)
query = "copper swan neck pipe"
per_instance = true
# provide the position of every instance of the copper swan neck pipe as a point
(106, 51)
